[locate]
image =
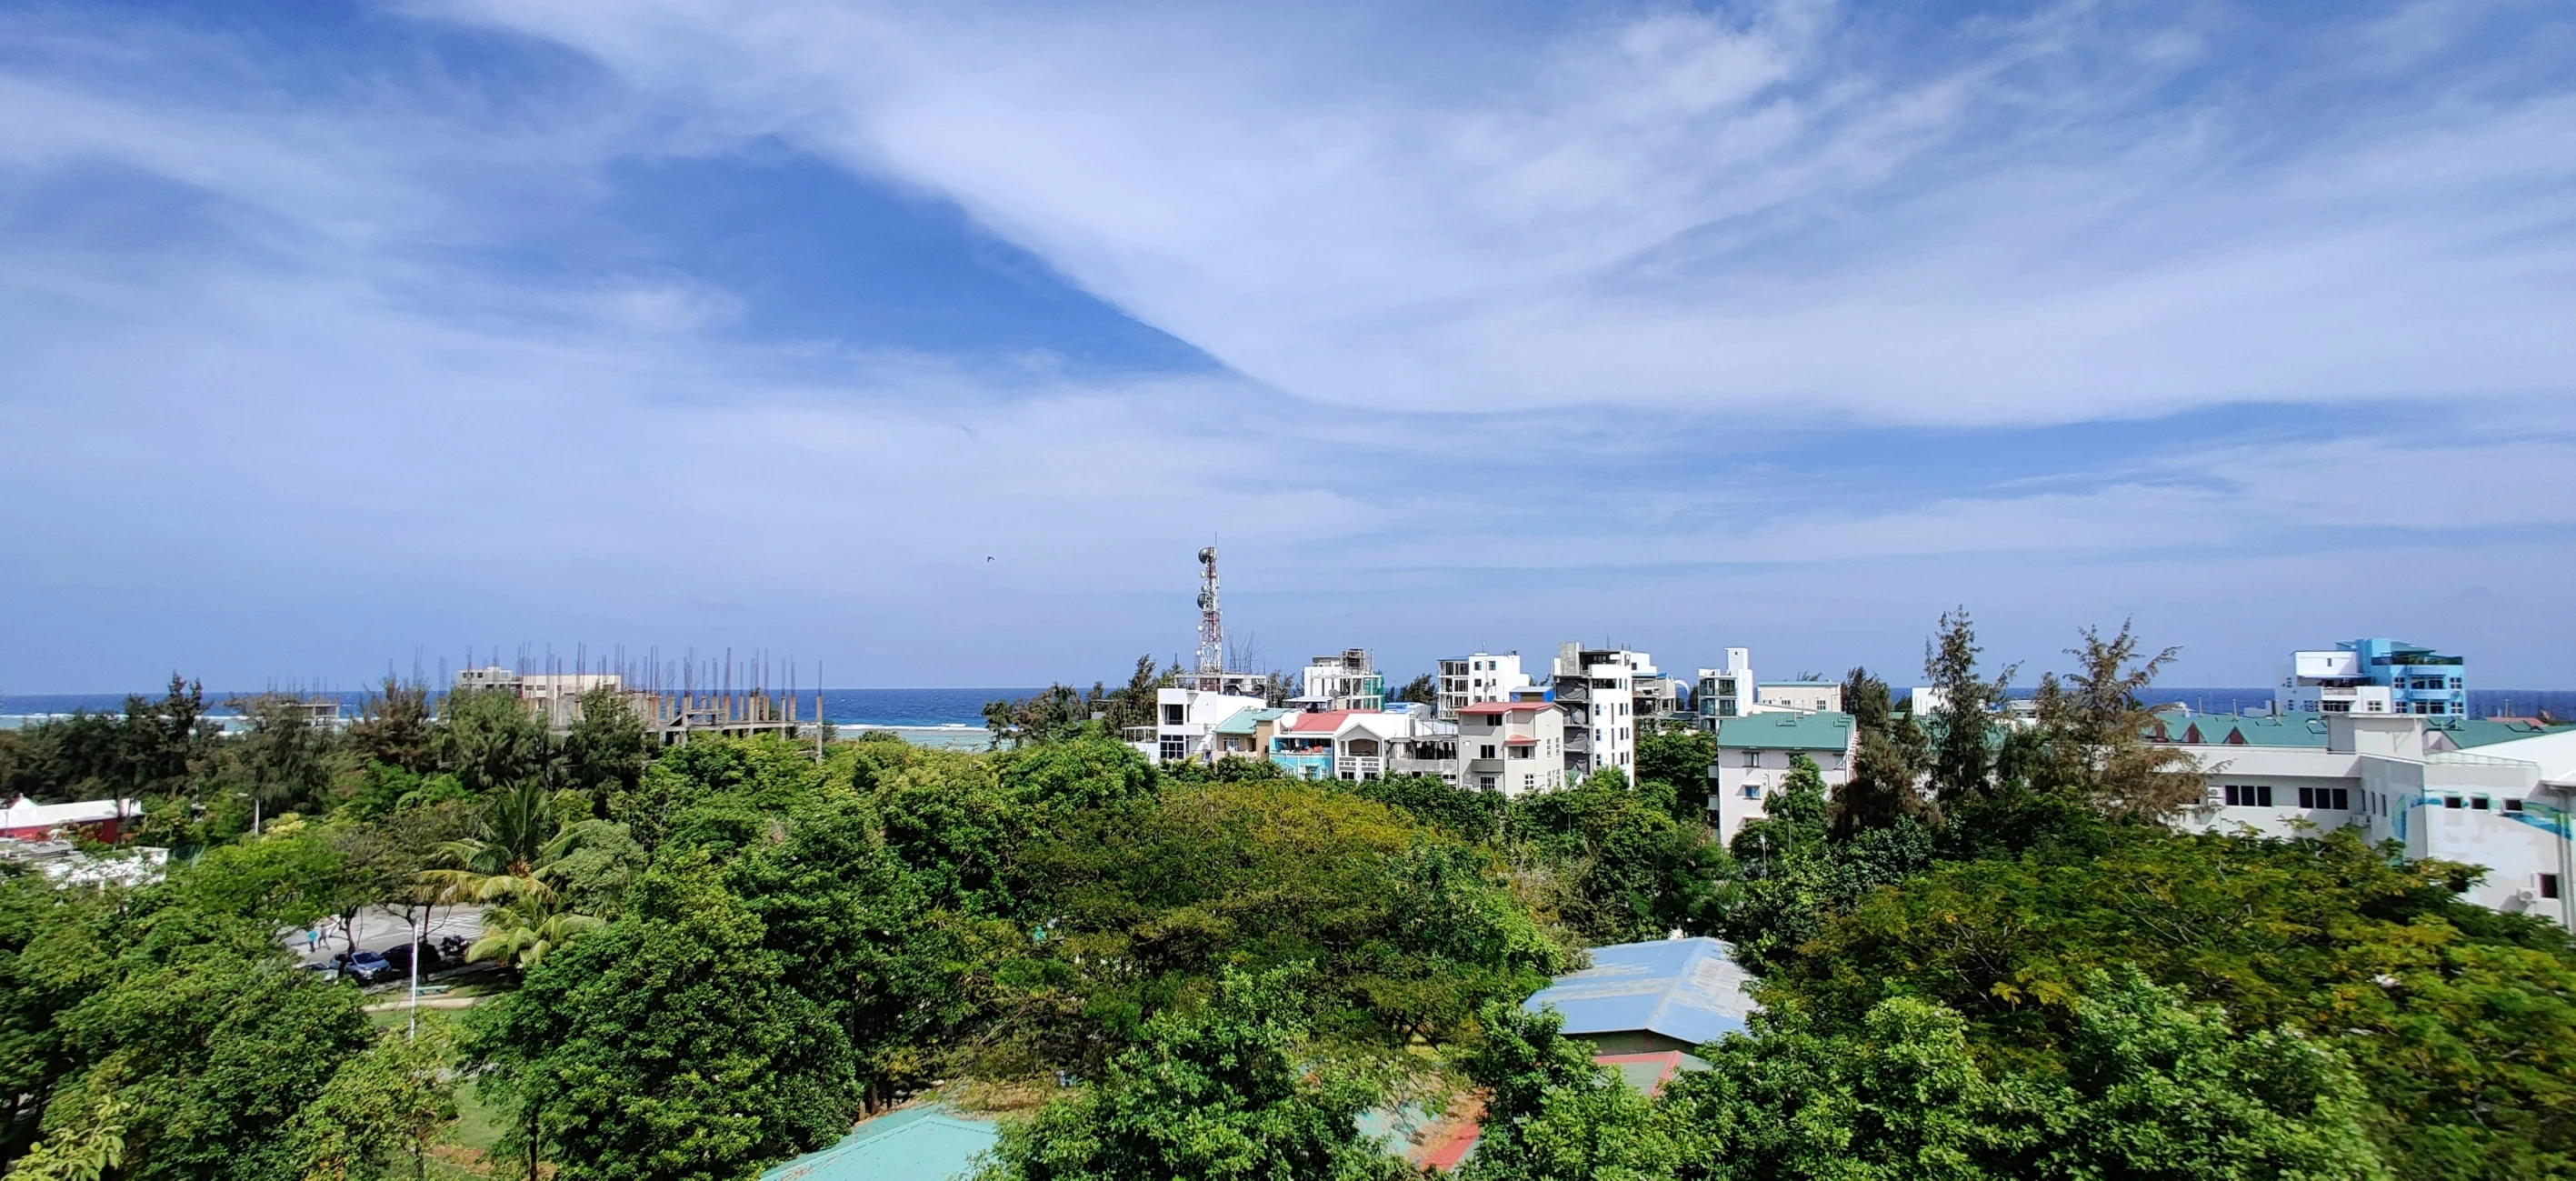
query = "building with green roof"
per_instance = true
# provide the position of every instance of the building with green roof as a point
(1753, 757)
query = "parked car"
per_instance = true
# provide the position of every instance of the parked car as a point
(366, 965)
(327, 972)
(399, 955)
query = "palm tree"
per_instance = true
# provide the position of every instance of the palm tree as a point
(516, 869)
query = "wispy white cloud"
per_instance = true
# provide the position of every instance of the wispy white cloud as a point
(2040, 220)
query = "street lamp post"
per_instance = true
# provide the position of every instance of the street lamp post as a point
(413, 1031)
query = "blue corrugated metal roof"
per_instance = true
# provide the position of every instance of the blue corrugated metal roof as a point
(1688, 989)
(924, 1143)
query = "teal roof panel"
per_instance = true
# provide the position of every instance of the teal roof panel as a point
(1823, 730)
(927, 1142)
(1243, 721)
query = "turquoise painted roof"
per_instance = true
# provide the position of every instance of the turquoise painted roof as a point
(2469, 732)
(1242, 721)
(2309, 729)
(2290, 729)
(922, 1143)
(1822, 730)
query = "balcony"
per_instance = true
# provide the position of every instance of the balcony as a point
(1360, 767)
(1300, 766)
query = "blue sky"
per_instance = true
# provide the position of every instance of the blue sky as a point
(336, 335)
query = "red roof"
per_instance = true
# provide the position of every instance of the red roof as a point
(1317, 723)
(1505, 707)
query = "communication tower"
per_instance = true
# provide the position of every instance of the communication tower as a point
(1211, 624)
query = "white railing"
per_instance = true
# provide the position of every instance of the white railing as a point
(1362, 766)
(2458, 758)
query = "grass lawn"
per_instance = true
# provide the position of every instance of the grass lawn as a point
(464, 1154)
(477, 1126)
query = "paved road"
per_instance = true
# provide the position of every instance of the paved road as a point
(380, 929)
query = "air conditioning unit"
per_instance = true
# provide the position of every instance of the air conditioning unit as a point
(2522, 898)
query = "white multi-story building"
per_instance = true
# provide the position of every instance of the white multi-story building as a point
(2374, 676)
(1513, 747)
(1597, 687)
(1732, 692)
(1801, 696)
(2462, 790)
(1480, 678)
(1185, 724)
(1753, 757)
(1726, 692)
(1348, 681)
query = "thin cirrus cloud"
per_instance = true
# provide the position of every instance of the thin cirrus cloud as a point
(1786, 323)
(2074, 211)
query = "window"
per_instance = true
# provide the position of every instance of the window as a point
(1753, 791)
(1174, 715)
(1488, 751)
(1485, 781)
(2334, 707)
(1528, 782)
(2455, 683)
(2438, 707)
(2333, 798)
(2248, 795)
(1175, 748)
(2452, 801)
(1517, 752)
(2549, 885)
(2513, 805)
(2477, 803)
(1753, 758)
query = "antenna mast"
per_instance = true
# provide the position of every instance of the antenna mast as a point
(1211, 625)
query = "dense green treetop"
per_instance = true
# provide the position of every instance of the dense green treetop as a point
(1237, 1089)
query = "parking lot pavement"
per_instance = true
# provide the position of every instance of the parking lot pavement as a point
(379, 930)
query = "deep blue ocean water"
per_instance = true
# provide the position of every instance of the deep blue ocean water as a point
(845, 707)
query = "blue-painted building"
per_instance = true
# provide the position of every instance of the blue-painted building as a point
(2375, 676)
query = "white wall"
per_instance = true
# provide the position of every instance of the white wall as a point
(1730, 807)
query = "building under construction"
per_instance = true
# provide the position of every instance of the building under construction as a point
(676, 700)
